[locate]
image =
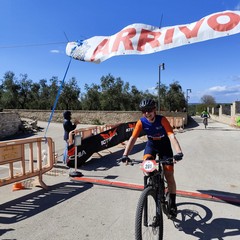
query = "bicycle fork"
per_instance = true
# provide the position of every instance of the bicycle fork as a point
(155, 221)
(145, 219)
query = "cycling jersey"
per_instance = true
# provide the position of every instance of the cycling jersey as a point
(157, 133)
(205, 114)
(157, 130)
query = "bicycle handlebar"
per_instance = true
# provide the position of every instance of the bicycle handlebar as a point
(170, 160)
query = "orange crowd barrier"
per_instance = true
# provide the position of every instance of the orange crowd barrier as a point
(90, 131)
(176, 122)
(179, 122)
(26, 158)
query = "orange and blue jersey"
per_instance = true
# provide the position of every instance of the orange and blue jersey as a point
(157, 130)
(158, 141)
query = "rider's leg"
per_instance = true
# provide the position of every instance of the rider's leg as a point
(170, 180)
(169, 175)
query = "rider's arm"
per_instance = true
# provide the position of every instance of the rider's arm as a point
(175, 143)
(137, 130)
(171, 135)
(129, 146)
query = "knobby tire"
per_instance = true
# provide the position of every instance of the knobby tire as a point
(154, 230)
(205, 122)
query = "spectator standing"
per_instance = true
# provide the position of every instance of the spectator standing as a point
(68, 126)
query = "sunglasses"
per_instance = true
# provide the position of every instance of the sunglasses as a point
(147, 110)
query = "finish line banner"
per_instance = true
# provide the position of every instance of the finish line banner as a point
(145, 39)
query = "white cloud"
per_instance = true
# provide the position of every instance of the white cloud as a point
(54, 51)
(225, 90)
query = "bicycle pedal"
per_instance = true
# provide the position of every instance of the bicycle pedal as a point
(172, 215)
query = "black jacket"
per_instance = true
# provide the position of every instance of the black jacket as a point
(68, 127)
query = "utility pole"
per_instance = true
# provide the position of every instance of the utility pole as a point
(160, 67)
(187, 97)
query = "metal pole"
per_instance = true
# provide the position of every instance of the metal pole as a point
(188, 90)
(159, 81)
(161, 66)
(77, 142)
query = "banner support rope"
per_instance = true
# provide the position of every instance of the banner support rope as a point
(58, 94)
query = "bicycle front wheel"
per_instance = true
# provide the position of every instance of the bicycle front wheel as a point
(149, 219)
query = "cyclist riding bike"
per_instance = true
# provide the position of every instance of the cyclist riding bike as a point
(160, 141)
(205, 115)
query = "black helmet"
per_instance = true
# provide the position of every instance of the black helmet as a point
(147, 104)
(67, 115)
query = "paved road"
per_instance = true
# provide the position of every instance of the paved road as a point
(74, 210)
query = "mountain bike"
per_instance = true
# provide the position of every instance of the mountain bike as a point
(154, 200)
(205, 121)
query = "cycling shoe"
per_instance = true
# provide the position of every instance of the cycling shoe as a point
(173, 212)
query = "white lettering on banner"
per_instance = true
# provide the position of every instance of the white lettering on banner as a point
(80, 154)
(106, 141)
(129, 129)
(146, 39)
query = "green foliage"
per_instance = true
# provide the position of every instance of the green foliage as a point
(111, 95)
(175, 100)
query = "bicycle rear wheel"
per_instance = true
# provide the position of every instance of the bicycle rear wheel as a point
(205, 122)
(149, 218)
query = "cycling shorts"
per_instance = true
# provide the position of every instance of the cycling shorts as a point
(159, 147)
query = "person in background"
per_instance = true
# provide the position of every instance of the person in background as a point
(205, 115)
(68, 126)
(160, 141)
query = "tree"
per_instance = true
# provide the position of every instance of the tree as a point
(34, 104)
(25, 94)
(70, 95)
(112, 91)
(175, 99)
(208, 100)
(10, 90)
(111, 94)
(91, 99)
(163, 97)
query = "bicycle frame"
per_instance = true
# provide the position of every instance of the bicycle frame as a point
(155, 179)
(205, 121)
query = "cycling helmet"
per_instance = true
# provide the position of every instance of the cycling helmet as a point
(67, 115)
(147, 104)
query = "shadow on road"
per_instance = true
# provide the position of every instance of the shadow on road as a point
(192, 123)
(108, 161)
(37, 202)
(195, 219)
(231, 198)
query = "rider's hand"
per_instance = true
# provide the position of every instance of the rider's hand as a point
(125, 159)
(178, 156)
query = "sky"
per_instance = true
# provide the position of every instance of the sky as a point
(34, 35)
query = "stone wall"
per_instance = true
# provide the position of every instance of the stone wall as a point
(90, 117)
(85, 117)
(228, 117)
(9, 124)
